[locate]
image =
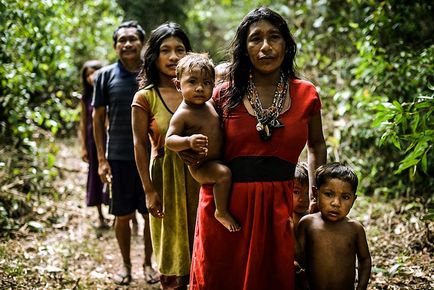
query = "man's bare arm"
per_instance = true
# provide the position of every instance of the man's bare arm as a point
(99, 132)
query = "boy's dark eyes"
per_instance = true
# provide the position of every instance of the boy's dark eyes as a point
(329, 194)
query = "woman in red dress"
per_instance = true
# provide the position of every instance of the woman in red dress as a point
(268, 115)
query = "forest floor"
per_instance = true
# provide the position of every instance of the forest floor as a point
(60, 247)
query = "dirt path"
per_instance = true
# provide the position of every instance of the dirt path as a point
(61, 249)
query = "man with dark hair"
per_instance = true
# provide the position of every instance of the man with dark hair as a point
(115, 86)
(130, 24)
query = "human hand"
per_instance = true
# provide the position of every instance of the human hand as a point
(191, 157)
(198, 142)
(104, 171)
(298, 268)
(291, 225)
(84, 155)
(153, 203)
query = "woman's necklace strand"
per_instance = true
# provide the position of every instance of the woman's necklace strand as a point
(267, 118)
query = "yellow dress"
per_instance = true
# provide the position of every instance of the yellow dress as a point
(172, 236)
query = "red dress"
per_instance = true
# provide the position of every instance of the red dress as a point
(261, 255)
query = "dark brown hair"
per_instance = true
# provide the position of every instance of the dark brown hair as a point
(130, 24)
(336, 170)
(195, 60)
(87, 89)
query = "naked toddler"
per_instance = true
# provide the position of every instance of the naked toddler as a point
(330, 241)
(196, 125)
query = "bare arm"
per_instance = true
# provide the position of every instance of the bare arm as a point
(300, 242)
(364, 258)
(140, 125)
(300, 259)
(176, 142)
(99, 131)
(83, 122)
(317, 153)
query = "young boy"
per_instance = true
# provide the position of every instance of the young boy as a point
(196, 125)
(300, 197)
(330, 241)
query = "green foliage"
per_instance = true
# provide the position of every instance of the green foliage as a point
(151, 13)
(44, 43)
(373, 65)
(396, 63)
(212, 24)
(409, 124)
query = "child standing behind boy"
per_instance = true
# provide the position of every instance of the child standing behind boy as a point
(330, 241)
(300, 195)
(196, 125)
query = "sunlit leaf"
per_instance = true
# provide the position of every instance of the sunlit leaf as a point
(35, 226)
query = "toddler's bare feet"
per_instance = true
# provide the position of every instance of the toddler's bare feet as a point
(226, 219)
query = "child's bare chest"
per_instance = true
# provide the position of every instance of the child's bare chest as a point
(206, 122)
(341, 239)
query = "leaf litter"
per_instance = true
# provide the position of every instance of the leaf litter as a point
(61, 247)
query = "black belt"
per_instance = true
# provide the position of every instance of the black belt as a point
(260, 168)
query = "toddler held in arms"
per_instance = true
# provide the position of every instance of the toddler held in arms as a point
(329, 241)
(196, 125)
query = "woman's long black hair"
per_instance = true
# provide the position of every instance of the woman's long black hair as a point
(87, 90)
(240, 64)
(149, 73)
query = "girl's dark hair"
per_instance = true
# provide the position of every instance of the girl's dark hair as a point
(87, 88)
(149, 73)
(336, 170)
(240, 65)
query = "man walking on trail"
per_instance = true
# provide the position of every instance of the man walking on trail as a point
(115, 86)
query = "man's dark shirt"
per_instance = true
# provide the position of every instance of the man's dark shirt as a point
(115, 88)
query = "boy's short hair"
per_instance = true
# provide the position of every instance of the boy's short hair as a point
(301, 173)
(130, 24)
(336, 170)
(192, 60)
